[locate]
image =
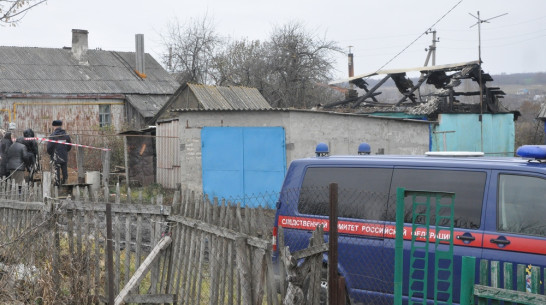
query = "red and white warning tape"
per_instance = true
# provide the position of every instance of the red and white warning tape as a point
(66, 143)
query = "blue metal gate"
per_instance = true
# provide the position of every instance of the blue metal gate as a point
(242, 162)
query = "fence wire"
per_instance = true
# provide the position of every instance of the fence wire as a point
(365, 241)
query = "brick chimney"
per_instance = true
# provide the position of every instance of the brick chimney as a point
(79, 46)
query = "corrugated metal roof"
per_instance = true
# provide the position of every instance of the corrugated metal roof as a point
(147, 105)
(416, 69)
(217, 97)
(55, 71)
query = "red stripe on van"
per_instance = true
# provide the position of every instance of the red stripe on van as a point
(517, 244)
(374, 230)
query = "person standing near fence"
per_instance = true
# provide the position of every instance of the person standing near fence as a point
(32, 147)
(5, 143)
(58, 152)
(18, 159)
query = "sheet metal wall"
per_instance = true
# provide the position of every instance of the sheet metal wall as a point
(498, 133)
(168, 154)
(243, 162)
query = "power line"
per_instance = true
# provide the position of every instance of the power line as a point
(424, 33)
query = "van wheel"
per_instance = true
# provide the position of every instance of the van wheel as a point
(323, 299)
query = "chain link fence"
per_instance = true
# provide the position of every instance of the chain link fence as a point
(366, 236)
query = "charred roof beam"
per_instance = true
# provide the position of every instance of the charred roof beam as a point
(371, 93)
(422, 79)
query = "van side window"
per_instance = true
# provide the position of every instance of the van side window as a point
(468, 186)
(362, 192)
(521, 205)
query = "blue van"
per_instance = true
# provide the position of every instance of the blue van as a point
(499, 213)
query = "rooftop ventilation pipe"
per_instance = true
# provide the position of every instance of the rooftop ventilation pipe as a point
(80, 46)
(140, 56)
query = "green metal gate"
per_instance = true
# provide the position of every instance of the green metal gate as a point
(424, 234)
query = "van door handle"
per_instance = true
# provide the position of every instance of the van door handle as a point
(500, 241)
(466, 237)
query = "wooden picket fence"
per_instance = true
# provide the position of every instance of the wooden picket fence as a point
(220, 252)
(527, 282)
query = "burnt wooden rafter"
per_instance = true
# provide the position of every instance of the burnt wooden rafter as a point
(422, 79)
(371, 93)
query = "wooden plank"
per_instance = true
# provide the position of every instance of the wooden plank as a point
(18, 205)
(230, 266)
(177, 272)
(185, 261)
(156, 235)
(310, 251)
(214, 256)
(138, 245)
(316, 266)
(87, 251)
(258, 274)
(199, 253)
(117, 252)
(508, 295)
(97, 253)
(219, 231)
(202, 249)
(117, 208)
(484, 274)
(71, 252)
(128, 242)
(271, 283)
(280, 262)
(224, 259)
(520, 276)
(150, 298)
(244, 269)
(141, 271)
(508, 276)
(495, 278)
(79, 224)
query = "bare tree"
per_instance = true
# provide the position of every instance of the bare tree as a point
(12, 11)
(241, 63)
(299, 62)
(191, 49)
(290, 69)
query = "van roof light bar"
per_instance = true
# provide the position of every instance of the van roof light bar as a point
(537, 152)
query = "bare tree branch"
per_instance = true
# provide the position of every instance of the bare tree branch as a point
(13, 11)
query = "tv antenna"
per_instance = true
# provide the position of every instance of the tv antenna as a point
(479, 22)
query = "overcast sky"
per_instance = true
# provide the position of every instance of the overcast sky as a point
(377, 30)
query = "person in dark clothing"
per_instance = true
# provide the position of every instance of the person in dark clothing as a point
(5, 143)
(18, 159)
(32, 148)
(58, 152)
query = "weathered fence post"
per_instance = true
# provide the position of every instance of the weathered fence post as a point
(126, 159)
(106, 168)
(110, 254)
(79, 159)
(336, 283)
(243, 260)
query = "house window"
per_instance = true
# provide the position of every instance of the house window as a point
(105, 116)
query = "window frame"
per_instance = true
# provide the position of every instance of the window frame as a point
(498, 207)
(105, 116)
